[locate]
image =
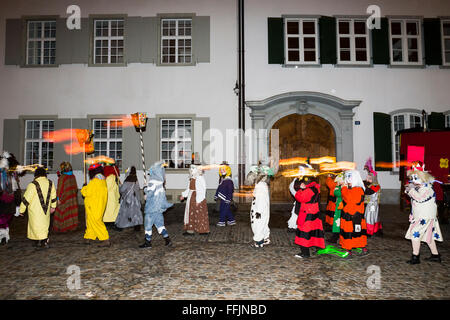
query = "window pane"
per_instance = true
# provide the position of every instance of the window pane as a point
(447, 44)
(361, 55)
(397, 56)
(293, 55)
(344, 43)
(360, 27)
(293, 43)
(446, 27)
(344, 55)
(292, 27)
(399, 122)
(411, 28)
(412, 43)
(310, 55)
(360, 43)
(309, 43)
(413, 56)
(344, 27)
(309, 27)
(397, 44)
(396, 28)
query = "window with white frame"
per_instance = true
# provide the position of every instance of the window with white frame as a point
(176, 142)
(108, 139)
(301, 41)
(41, 42)
(176, 40)
(447, 120)
(402, 121)
(108, 41)
(405, 42)
(38, 148)
(445, 24)
(353, 41)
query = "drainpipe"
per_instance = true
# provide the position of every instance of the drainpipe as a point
(241, 94)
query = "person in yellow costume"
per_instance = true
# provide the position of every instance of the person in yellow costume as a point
(95, 197)
(111, 174)
(40, 200)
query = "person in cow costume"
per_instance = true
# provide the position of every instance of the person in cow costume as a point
(424, 225)
(260, 210)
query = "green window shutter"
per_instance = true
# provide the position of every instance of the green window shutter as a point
(14, 49)
(436, 120)
(201, 38)
(276, 40)
(150, 42)
(12, 137)
(382, 138)
(328, 36)
(380, 43)
(72, 46)
(432, 37)
(133, 39)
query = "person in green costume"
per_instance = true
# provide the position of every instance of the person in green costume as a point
(336, 228)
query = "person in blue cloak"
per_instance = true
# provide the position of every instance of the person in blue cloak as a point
(155, 204)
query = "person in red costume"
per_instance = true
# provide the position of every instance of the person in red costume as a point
(309, 225)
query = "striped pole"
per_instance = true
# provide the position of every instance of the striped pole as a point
(143, 155)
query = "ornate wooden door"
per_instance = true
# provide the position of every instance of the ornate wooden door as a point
(302, 136)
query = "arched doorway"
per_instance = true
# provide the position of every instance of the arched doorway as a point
(301, 135)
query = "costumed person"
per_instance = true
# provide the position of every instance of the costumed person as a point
(39, 200)
(111, 173)
(155, 205)
(372, 200)
(292, 222)
(196, 211)
(353, 225)
(224, 194)
(336, 227)
(66, 213)
(10, 193)
(95, 195)
(217, 200)
(130, 213)
(331, 202)
(424, 225)
(309, 225)
(260, 210)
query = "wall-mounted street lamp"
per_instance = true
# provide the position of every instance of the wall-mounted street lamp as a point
(236, 89)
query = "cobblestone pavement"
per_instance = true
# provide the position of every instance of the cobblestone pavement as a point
(220, 265)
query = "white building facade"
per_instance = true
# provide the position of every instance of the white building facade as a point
(177, 61)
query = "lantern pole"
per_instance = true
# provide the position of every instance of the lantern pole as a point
(140, 122)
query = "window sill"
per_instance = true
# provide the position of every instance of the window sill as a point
(406, 66)
(318, 65)
(102, 65)
(176, 64)
(32, 66)
(353, 65)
